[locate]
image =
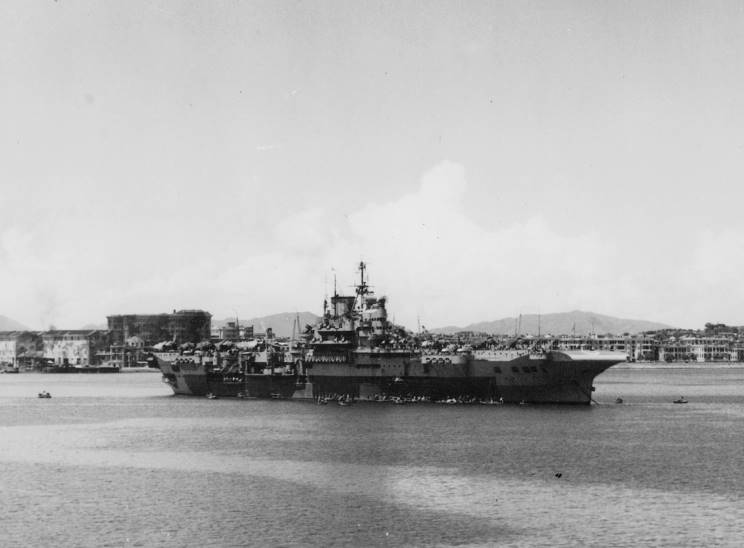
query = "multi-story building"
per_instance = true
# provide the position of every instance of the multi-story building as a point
(20, 348)
(686, 348)
(643, 348)
(181, 326)
(675, 350)
(710, 349)
(75, 346)
(233, 331)
(593, 342)
(151, 328)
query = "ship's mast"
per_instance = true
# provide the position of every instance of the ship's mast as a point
(295, 331)
(362, 289)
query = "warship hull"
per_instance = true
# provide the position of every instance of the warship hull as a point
(553, 377)
(190, 378)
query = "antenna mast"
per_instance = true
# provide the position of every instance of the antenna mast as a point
(362, 288)
(538, 325)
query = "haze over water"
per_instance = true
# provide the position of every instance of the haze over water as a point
(116, 460)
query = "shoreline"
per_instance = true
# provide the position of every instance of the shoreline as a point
(679, 365)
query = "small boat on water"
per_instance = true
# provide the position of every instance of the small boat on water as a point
(44, 394)
(211, 396)
(681, 399)
(619, 400)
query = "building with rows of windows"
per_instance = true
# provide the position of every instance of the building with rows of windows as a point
(179, 327)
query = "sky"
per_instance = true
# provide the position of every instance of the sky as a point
(485, 159)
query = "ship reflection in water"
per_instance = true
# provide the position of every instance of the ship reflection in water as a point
(355, 353)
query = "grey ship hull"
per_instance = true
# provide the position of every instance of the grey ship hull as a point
(190, 378)
(555, 377)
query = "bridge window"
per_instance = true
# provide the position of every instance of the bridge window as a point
(515, 369)
(496, 369)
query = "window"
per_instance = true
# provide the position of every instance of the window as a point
(515, 369)
(525, 368)
(496, 369)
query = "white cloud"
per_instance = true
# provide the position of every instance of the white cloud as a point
(424, 251)
(428, 256)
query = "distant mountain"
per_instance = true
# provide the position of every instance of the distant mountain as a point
(563, 323)
(281, 324)
(9, 324)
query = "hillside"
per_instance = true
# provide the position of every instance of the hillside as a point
(9, 324)
(281, 324)
(563, 323)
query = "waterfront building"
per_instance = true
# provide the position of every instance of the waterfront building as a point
(685, 348)
(675, 350)
(180, 327)
(643, 348)
(593, 342)
(738, 351)
(75, 346)
(710, 349)
(132, 353)
(20, 348)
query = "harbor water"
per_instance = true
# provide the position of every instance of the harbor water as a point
(116, 460)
